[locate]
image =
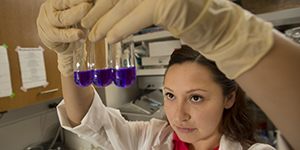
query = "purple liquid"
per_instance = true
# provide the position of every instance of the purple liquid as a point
(83, 78)
(103, 77)
(124, 77)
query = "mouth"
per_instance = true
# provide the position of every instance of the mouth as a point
(185, 130)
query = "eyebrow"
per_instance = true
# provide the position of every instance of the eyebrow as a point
(190, 91)
(168, 89)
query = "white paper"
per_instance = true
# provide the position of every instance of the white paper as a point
(5, 81)
(32, 67)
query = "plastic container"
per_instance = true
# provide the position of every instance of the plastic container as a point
(124, 63)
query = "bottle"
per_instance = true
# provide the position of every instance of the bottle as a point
(82, 65)
(124, 63)
(125, 58)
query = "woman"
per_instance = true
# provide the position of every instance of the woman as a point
(201, 105)
(244, 47)
(202, 98)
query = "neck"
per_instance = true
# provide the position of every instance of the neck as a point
(207, 144)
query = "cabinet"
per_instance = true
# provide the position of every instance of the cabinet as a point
(150, 37)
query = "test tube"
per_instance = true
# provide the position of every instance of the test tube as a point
(103, 72)
(82, 64)
(124, 66)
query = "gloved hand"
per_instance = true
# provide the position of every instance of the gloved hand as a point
(219, 29)
(52, 22)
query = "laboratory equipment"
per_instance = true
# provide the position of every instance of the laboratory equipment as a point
(145, 107)
(82, 64)
(103, 72)
(294, 34)
(124, 65)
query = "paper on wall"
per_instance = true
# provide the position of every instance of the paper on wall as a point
(5, 80)
(32, 66)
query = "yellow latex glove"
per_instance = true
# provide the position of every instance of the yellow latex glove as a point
(52, 22)
(221, 30)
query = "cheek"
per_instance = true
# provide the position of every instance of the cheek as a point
(171, 111)
(208, 119)
(168, 109)
(207, 116)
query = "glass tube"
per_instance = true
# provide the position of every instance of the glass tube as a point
(82, 64)
(103, 72)
(124, 65)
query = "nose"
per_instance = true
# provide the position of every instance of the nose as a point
(182, 112)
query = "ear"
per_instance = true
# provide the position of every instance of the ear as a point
(230, 99)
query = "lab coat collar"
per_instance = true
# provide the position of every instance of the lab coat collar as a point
(164, 140)
(226, 143)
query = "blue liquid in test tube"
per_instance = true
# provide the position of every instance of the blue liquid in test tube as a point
(82, 64)
(83, 78)
(103, 77)
(124, 62)
(125, 77)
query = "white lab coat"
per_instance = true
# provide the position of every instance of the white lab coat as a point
(105, 127)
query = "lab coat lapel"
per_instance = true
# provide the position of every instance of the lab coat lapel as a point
(164, 140)
(226, 144)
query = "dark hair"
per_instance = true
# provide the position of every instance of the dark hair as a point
(236, 122)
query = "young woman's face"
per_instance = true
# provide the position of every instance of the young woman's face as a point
(194, 103)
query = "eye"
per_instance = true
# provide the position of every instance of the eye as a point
(196, 98)
(170, 96)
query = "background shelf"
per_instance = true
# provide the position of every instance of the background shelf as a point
(149, 72)
(282, 17)
(152, 36)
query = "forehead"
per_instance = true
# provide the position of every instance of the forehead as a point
(188, 74)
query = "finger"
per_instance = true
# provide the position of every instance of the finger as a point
(139, 18)
(63, 35)
(65, 4)
(70, 16)
(121, 9)
(99, 9)
(57, 37)
(68, 35)
(53, 34)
